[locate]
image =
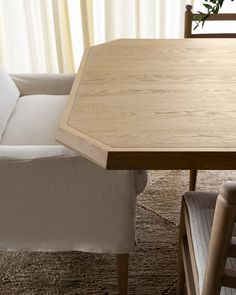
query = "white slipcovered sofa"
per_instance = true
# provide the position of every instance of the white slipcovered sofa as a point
(51, 198)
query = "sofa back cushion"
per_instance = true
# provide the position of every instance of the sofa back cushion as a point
(9, 94)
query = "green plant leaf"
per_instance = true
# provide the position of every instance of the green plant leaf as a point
(215, 10)
(221, 2)
(207, 6)
(212, 6)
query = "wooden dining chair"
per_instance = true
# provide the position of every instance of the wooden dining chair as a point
(207, 251)
(189, 19)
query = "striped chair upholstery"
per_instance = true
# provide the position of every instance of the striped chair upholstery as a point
(201, 208)
(207, 256)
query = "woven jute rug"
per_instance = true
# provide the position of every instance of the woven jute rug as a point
(152, 265)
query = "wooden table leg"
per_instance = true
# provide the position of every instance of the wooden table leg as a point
(181, 275)
(192, 180)
(122, 269)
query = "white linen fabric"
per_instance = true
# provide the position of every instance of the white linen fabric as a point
(53, 199)
(201, 208)
(8, 98)
(60, 204)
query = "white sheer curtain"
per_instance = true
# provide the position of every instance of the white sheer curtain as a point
(50, 35)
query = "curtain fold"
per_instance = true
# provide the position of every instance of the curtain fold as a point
(3, 47)
(162, 18)
(110, 20)
(87, 22)
(49, 48)
(137, 18)
(63, 36)
(31, 30)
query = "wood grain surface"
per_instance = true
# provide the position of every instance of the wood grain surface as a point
(155, 104)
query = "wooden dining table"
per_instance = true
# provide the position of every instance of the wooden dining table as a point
(155, 104)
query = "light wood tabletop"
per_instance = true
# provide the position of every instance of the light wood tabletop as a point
(155, 104)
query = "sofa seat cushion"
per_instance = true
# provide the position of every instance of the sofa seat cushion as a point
(35, 120)
(201, 208)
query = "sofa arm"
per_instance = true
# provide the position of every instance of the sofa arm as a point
(52, 84)
(31, 153)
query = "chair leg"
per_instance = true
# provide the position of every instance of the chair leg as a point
(180, 289)
(192, 180)
(122, 269)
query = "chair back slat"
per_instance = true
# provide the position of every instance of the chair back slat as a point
(223, 35)
(219, 17)
(232, 248)
(229, 278)
(189, 18)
